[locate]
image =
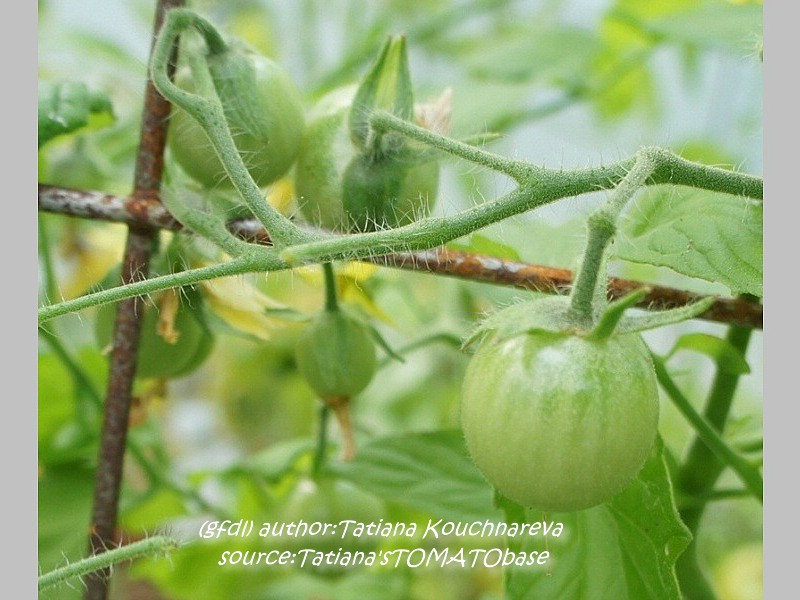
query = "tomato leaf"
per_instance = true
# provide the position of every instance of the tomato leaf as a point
(710, 236)
(625, 549)
(67, 106)
(722, 352)
(425, 471)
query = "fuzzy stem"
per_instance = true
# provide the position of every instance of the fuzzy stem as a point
(210, 116)
(244, 264)
(519, 171)
(602, 227)
(150, 546)
(429, 233)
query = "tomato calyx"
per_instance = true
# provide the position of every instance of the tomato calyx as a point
(555, 315)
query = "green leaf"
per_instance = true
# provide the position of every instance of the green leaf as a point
(707, 235)
(67, 106)
(485, 245)
(625, 549)
(722, 352)
(430, 472)
(387, 87)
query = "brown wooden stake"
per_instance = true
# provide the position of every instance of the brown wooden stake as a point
(127, 329)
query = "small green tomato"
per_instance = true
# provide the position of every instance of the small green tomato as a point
(336, 355)
(264, 111)
(559, 422)
(340, 189)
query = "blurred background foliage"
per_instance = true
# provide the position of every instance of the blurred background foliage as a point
(568, 83)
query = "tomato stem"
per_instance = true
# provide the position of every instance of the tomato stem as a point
(322, 440)
(147, 547)
(602, 226)
(331, 302)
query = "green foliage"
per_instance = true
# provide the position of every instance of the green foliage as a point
(624, 549)
(710, 236)
(67, 106)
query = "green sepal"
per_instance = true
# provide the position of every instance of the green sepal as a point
(550, 314)
(387, 86)
(612, 315)
(664, 317)
(234, 78)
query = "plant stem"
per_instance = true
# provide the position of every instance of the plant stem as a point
(243, 264)
(148, 547)
(547, 187)
(602, 227)
(519, 171)
(322, 440)
(708, 435)
(701, 469)
(331, 302)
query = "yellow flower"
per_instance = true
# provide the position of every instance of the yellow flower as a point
(243, 306)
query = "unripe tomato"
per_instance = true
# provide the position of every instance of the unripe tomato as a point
(266, 121)
(337, 191)
(336, 355)
(157, 357)
(559, 422)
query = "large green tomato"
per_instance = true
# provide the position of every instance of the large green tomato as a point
(266, 120)
(338, 191)
(559, 422)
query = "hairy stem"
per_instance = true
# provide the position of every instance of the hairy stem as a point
(546, 187)
(602, 227)
(243, 264)
(149, 547)
(383, 121)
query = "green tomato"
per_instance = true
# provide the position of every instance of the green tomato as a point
(336, 355)
(341, 190)
(157, 358)
(559, 422)
(264, 111)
